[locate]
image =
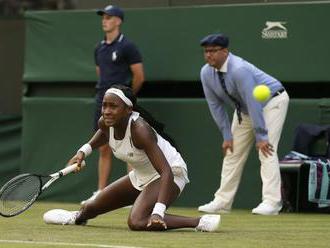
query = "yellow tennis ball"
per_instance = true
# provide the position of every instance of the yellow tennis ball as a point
(261, 93)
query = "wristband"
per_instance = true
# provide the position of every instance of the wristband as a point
(159, 209)
(86, 149)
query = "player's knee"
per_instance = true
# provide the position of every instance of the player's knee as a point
(136, 225)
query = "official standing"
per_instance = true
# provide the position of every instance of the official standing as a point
(229, 79)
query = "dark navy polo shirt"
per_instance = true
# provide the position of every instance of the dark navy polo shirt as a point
(114, 61)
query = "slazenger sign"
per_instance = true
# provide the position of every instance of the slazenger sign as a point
(274, 30)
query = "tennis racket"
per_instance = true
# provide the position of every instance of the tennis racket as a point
(19, 193)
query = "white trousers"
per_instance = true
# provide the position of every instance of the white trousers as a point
(243, 139)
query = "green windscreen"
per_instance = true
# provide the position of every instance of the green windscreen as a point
(67, 124)
(289, 41)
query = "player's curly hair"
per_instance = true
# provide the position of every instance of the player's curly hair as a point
(158, 126)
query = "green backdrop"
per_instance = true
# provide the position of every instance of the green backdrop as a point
(60, 44)
(54, 128)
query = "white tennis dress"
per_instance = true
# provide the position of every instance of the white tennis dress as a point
(143, 171)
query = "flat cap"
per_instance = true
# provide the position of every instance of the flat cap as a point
(112, 10)
(215, 40)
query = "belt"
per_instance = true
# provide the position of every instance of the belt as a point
(279, 92)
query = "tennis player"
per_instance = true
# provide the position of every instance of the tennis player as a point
(158, 177)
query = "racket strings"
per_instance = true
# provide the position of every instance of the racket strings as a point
(18, 194)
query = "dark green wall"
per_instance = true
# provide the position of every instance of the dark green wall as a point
(54, 128)
(169, 41)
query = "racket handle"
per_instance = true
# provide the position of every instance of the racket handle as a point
(71, 168)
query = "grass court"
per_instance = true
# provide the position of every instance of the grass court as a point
(238, 229)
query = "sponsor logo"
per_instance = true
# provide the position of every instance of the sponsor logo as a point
(274, 30)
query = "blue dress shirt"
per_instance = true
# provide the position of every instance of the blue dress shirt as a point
(241, 77)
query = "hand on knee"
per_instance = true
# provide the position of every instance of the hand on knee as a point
(156, 223)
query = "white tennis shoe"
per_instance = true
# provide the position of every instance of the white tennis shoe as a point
(208, 223)
(266, 209)
(213, 207)
(92, 198)
(60, 217)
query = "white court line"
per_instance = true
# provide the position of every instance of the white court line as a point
(67, 244)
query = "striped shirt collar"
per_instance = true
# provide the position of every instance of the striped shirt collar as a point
(119, 38)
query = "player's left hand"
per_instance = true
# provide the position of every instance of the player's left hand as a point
(156, 223)
(265, 147)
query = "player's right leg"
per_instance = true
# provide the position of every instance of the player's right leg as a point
(117, 195)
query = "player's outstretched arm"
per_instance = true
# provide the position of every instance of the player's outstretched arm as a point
(100, 138)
